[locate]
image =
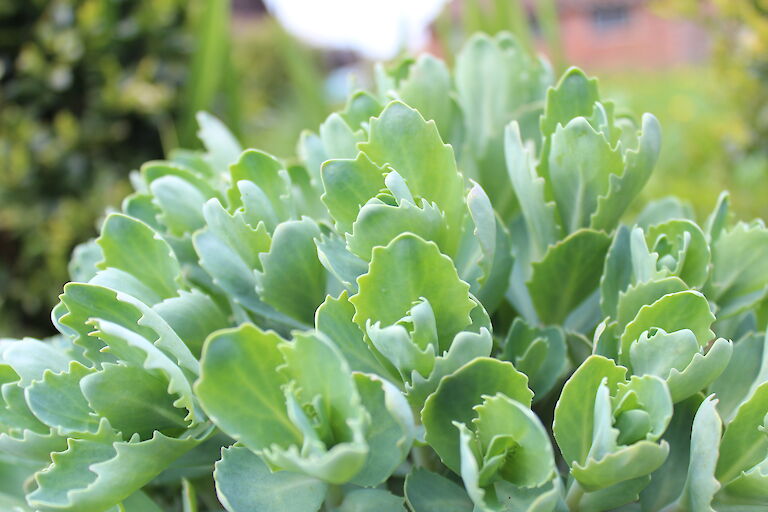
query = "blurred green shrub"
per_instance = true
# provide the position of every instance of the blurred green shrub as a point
(729, 141)
(84, 86)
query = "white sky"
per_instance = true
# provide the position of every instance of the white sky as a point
(375, 28)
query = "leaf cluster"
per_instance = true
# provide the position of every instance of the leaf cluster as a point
(435, 307)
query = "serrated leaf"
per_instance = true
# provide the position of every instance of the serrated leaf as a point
(538, 352)
(133, 400)
(746, 370)
(458, 392)
(643, 293)
(293, 279)
(348, 185)
(739, 268)
(99, 472)
(540, 214)
(580, 164)
(401, 138)
(133, 247)
(573, 96)
(240, 366)
(339, 261)
(682, 242)
(466, 346)
(623, 188)
(334, 319)
(745, 441)
(244, 483)
(391, 432)
(573, 425)
(675, 311)
(193, 316)
(378, 223)
(426, 491)
(567, 274)
(58, 401)
(266, 172)
(403, 272)
(531, 463)
(181, 204)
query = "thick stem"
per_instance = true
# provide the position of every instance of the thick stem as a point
(334, 497)
(573, 497)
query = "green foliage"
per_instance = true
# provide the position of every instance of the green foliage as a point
(90, 90)
(368, 329)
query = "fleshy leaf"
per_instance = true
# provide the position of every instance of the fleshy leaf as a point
(426, 491)
(567, 274)
(458, 392)
(403, 272)
(239, 366)
(244, 483)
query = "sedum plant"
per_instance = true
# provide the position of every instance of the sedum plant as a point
(439, 305)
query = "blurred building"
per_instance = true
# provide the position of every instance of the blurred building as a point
(625, 34)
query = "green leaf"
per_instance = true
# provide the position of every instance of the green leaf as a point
(675, 311)
(643, 293)
(348, 185)
(378, 224)
(677, 358)
(131, 246)
(628, 463)
(573, 425)
(239, 366)
(223, 148)
(391, 432)
(538, 352)
(133, 400)
(744, 443)
(181, 204)
(403, 272)
(739, 268)
(58, 401)
(623, 188)
(193, 316)
(323, 402)
(244, 483)
(334, 319)
(86, 302)
(401, 138)
(135, 350)
(339, 261)
(293, 279)
(269, 175)
(746, 370)
(426, 491)
(541, 216)
(466, 346)
(700, 484)
(682, 243)
(580, 164)
(617, 273)
(371, 500)
(98, 472)
(573, 96)
(339, 140)
(569, 272)
(531, 462)
(458, 393)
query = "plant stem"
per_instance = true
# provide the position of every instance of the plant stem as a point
(573, 497)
